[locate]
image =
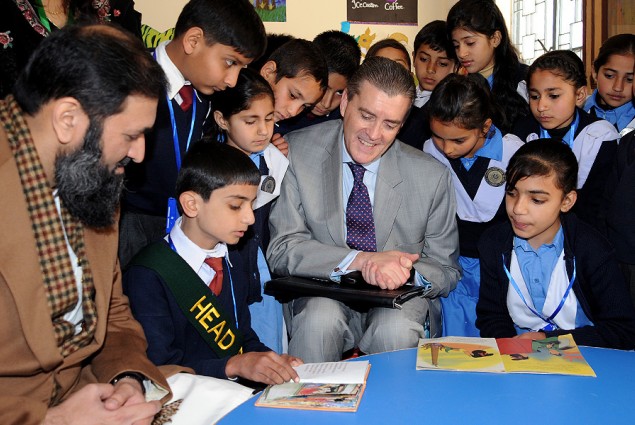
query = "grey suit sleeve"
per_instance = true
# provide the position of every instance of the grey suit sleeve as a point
(293, 249)
(439, 257)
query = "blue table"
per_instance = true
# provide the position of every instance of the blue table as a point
(397, 393)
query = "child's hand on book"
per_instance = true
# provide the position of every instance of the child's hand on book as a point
(535, 336)
(266, 367)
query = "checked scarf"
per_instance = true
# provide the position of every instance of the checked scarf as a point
(48, 230)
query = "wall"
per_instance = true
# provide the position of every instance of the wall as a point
(307, 18)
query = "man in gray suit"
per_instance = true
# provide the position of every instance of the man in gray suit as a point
(411, 209)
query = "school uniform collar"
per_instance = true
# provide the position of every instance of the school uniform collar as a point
(620, 117)
(493, 146)
(255, 157)
(176, 80)
(193, 254)
(421, 97)
(568, 224)
(557, 244)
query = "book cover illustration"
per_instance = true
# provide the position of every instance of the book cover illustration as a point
(336, 386)
(555, 355)
(558, 355)
(459, 353)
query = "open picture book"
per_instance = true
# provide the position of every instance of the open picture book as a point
(555, 355)
(336, 386)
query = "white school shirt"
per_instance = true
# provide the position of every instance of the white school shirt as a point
(587, 144)
(277, 164)
(193, 254)
(488, 198)
(176, 80)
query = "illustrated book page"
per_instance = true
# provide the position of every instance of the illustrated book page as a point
(336, 386)
(554, 355)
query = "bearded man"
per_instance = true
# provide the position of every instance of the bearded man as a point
(70, 351)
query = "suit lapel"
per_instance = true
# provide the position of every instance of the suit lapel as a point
(387, 199)
(332, 189)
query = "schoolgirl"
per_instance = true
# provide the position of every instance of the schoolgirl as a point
(482, 44)
(244, 119)
(556, 83)
(545, 272)
(465, 140)
(613, 72)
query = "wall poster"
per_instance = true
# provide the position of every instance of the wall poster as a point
(395, 12)
(271, 10)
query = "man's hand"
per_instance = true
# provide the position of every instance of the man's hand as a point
(127, 392)
(279, 142)
(268, 367)
(88, 406)
(388, 269)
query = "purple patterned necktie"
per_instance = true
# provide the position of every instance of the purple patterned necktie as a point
(360, 226)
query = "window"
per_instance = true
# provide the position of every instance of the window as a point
(539, 26)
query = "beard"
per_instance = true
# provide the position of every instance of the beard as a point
(88, 189)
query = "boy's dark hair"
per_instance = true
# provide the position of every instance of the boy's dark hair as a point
(99, 65)
(621, 44)
(435, 35)
(273, 42)
(249, 86)
(384, 74)
(299, 57)
(484, 17)
(231, 23)
(341, 51)
(544, 157)
(209, 165)
(388, 42)
(463, 100)
(563, 63)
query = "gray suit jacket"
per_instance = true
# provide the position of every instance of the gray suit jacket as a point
(414, 209)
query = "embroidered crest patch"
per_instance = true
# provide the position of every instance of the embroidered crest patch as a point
(268, 185)
(495, 177)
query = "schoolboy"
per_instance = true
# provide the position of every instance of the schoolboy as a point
(433, 59)
(391, 49)
(298, 75)
(185, 321)
(343, 55)
(244, 120)
(213, 40)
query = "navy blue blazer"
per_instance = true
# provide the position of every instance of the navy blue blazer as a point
(171, 337)
(620, 219)
(150, 183)
(599, 286)
(416, 129)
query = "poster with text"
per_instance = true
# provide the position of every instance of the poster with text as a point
(394, 12)
(271, 10)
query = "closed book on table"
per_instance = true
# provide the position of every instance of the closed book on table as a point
(352, 291)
